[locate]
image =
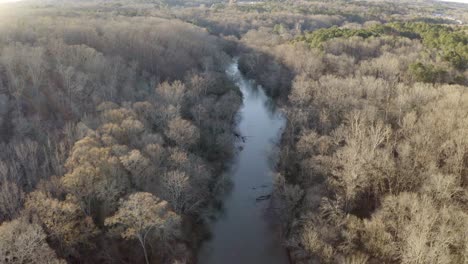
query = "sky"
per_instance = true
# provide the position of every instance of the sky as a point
(458, 1)
(9, 1)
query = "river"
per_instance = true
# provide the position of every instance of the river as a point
(243, 233)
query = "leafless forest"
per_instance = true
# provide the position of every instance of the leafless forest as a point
(117, 122)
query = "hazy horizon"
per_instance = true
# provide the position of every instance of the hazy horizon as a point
(455, 1)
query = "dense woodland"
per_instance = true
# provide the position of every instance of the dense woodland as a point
(373, 163)
(117, 120)
(112, 126)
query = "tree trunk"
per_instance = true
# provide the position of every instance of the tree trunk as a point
(144, 249)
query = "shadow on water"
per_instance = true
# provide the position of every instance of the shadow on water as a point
(242, 231)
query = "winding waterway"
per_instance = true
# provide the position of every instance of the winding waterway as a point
(243, 234)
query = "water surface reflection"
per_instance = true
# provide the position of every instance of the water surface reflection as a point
(243, 233)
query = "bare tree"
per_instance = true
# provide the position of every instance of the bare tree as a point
(63, 220)
(182, 132)
(141, 215)
(177, 191)
(23, 242)
(11, 200)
